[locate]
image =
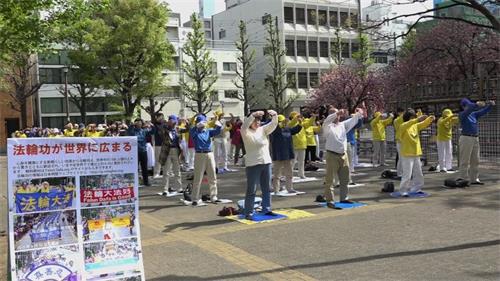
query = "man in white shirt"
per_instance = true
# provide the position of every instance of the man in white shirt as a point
(337, 163)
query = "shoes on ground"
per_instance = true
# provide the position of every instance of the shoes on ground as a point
(477, 183)
(198, 203)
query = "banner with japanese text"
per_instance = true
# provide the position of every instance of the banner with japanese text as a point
(73, 209)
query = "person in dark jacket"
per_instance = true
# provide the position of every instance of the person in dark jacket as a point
(158, 124)
(141, 132)
(282, 155)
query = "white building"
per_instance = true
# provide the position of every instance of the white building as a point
(384, 45)
(307, 28)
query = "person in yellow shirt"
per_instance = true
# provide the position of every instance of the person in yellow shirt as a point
(54, 133)
(19, 134)
(397, 123)
(443, 140)
(311, 133)
(300, 140)
(378, 125)
(411, 150)
(91, 131)
(68, 130)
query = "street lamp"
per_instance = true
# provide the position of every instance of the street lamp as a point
(65, 71)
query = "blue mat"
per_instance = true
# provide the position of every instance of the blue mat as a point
(258, 217)
(411, 194)
(345, 205)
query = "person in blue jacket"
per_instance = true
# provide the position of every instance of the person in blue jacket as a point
(141, 132)
(204, 158)
(282, 155)
(468, 142)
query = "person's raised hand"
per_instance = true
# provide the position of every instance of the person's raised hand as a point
(272, 112)
(360, 111)
(422, 118)
(491, 102)
(480, 103)
(258, 114)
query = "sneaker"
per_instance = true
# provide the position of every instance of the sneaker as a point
(171, 190)
(331, 205)
(198, 203)
(346, 201)
(249, 217)
(292, 191)
(405, 194)
(477, 183)
(215, 200)
(451, 170)
(443, 171)
(352, 183)
(157, 176)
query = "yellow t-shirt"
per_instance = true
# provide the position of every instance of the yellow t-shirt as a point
(95, 134)
(69, 133)
(410, 136)
(300, 139)
(397, 123)
(444, 126)
(311, 132)
(378, 128)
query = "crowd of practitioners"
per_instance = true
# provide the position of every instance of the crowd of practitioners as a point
(273, 144)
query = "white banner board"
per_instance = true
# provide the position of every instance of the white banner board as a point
(74, 209)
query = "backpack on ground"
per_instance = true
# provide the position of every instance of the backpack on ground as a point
(228, 211)
(389, 174)
(320, 198)
(388, 187)
(456, 183)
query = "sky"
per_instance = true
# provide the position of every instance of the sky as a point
(187, 7)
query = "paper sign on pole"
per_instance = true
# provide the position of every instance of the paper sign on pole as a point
(73, 209)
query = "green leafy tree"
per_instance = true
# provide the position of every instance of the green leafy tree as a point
(157, 88)
(408, 45)
(247, 60)
(336, 51)
(276, 82)
(362, 56)
(130, 39)
(198, 70)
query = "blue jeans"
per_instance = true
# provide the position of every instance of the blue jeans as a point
(262, 173)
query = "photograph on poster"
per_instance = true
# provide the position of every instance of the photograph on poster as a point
(103, 190)
(45, 194)
(39, 230)
(54, 264)
(112, 258)
(107, 223)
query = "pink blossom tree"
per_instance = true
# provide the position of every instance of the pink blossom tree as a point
(345, 87)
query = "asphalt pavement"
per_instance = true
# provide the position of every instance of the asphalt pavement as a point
(450, 235)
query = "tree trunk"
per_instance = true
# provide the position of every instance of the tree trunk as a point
(152, 108)
(245, 103)
(83, 109)
(24, 115)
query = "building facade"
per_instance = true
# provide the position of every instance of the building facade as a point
(10, 119)
(308, 31)
(383, 39)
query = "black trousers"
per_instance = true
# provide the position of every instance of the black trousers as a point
(311, 154)
(143, 162)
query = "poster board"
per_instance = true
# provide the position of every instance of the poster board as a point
(74, 209)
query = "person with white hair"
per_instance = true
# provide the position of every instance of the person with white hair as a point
(337, 161)
(204, 160)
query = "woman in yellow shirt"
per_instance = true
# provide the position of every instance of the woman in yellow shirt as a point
(411, 150)
(443, 140)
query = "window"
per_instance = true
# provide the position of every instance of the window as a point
(344, 19)
(54, 58)
(208, 34)
(51, 75)
(266, 19)
(214, 67)
(229, 66)
(354, 47)
(291, 80)
(313, 48)
(53, 122)
(300, 17)
(52, 105)
(288, 14)
(380, 58)
(312, 18)
(290, 47)
(301, 48)
(322, 17)
(354, 20)
(214, 96)
(222, 34)
(313, 79)
(231, 94)
(207, 24)
(345, 49)
(367, 18)
(323, 49)
(303, 80)
(334, 19)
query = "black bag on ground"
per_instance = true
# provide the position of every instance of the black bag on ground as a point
(320, 198)
(205, 197)
(454, 183)
(310, 167)
(228, 211)
(389, 174)
(388, 187)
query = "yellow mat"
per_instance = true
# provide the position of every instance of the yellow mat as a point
(291, 214)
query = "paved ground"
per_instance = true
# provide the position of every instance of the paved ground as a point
(451, 235)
